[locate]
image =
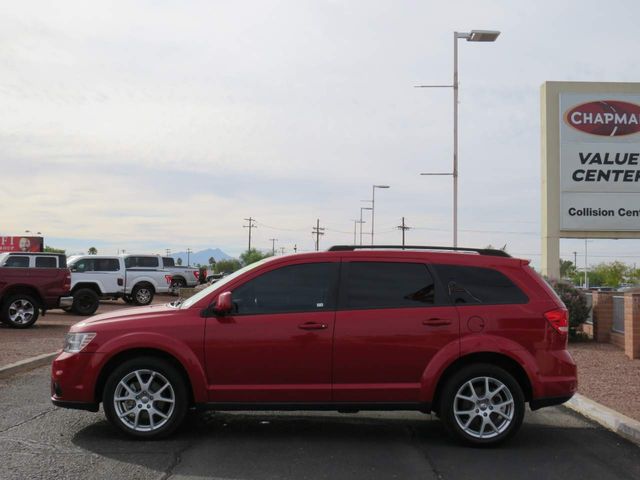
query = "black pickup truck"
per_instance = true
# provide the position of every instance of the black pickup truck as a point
(31, 283)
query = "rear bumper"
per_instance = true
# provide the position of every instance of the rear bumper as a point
(65, 302)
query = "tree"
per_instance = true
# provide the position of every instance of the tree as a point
(179, 261)
(227, 266)
(92, 251)
(576, 304)
(567, 269)
(49, 249)
(252, 256)
(212, 263)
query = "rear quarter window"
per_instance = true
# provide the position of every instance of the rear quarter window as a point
(479, 285)
(46, 262)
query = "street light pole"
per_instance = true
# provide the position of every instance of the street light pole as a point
(373, 206)
(473, 36)
(362, 221)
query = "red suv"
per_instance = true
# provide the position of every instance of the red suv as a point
(468, 334)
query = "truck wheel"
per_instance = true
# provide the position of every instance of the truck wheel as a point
(128, 299)
(177, 284)
(142, 294)
(85, 302)
(482, 405)
(145, 397)
(20, 311)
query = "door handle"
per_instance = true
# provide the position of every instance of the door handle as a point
(436, 322)
(312, 326)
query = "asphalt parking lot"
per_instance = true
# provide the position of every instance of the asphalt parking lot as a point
(39, 441)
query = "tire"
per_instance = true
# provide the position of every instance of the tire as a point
(475, 418)
(142, 294)
(85, 302)
(178, 283)
(128, 299)
(20, 310)
(145, 387)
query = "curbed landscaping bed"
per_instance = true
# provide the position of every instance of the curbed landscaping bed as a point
(607, 376)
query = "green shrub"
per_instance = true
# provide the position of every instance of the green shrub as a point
(576, 303)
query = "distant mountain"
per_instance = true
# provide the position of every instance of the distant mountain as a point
(202, 257)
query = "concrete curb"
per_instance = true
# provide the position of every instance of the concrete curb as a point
(27, 364)
(618, 423)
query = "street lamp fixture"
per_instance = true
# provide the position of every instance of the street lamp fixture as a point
(472, 36)
(373, 206)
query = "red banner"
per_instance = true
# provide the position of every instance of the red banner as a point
(21, 244)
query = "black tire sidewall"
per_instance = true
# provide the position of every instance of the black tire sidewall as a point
(466, 374)
(4, 314)
(88, 293)
(169, 372)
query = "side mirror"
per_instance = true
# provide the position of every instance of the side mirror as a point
(224, 304)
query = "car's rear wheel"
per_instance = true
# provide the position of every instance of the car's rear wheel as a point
(145, 397)
(20, 311)
(142, 294)
(85, 302)
(482, 405)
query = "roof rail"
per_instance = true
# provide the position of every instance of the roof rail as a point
(482, 251)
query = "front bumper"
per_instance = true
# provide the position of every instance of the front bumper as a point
(73, 380)
(65, 302)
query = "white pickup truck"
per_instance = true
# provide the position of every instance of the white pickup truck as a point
(181, 276)
(134, 278)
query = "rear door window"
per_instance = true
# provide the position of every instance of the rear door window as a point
(46, 262)
(479, 285)
(106, 265)
(388, 285)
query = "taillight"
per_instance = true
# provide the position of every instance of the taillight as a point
(196, 274)
(168, 279)
(559, 320)
(67, 281)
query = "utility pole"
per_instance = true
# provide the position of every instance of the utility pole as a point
(295, 248)
(252, 224)
(282, 250)
(273, 245)
(362, 221)
(575, 259)
(189, 252)
(404, 228)
(167, 251)
(317, 231)
(586, 263)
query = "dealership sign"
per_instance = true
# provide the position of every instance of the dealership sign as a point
(599, 162)
(21, 244)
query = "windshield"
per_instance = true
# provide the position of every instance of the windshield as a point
(221, 283)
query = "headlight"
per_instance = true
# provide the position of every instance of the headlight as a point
(75, 342)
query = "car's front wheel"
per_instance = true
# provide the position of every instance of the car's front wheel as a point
(482, 405)
(145, 397)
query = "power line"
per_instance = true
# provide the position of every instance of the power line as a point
(252, 224)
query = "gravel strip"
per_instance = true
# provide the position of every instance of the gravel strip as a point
(606, 375)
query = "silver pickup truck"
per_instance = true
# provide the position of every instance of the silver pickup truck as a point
(134, 278)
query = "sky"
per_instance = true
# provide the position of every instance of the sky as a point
(154, 125)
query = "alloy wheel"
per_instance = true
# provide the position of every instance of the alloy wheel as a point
(484, 407)
(21, 311)
(144, 400)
